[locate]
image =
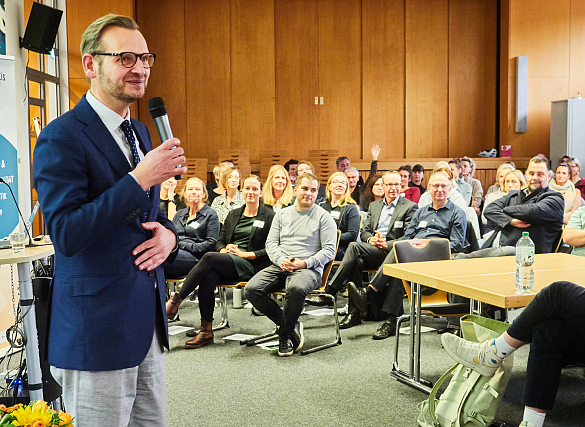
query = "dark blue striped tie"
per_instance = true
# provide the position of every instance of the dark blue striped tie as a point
(129, 134)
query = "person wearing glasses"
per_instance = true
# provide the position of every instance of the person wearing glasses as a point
(440, 219)
(98, 181)
(386, 222)
(343, 210)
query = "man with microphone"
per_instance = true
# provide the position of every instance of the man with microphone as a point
(98, 179)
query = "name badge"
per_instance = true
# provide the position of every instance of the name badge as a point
(335, 214)
(259, 224)
(284, 231)
(422, 224)
(398, 224)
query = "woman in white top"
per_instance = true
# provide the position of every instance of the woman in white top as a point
(563, 184)
(232, 198)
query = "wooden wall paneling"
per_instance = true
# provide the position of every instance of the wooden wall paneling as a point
(505, 100)
(577, 67)
(167, 76)
(296, 39)
(252, 72)
(383, 77)
(427, 34)
(539, 29)
(208, 77)
(79, 16)
(472, 76)
(340, 76)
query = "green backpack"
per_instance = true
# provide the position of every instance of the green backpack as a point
(470, 399)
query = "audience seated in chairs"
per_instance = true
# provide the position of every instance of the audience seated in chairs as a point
(411, 193)
(300, 243)
(215, 188)
(232, 198)
(343, 210)
(439, 219)
(554, 324)
(278, 190)
(386, 222)
(197, 228)
(374, 190)
(536, 209)
(242, 253)
(356, 183)
(562, 183)
(170, 202)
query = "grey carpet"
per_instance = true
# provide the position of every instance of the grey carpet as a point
(227, 384)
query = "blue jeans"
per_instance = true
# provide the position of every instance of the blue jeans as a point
(297, 285)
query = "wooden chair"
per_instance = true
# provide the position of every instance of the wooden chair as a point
(324, 162)
(268, 158)
(196, 167)
(320, 291)
(239, 157)
(432, 302)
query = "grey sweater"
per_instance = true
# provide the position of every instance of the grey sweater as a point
(309, 235)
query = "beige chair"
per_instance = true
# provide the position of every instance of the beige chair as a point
(240, 158)
(324, 162)
(196, 167)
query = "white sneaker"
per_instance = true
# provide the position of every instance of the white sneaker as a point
(527, 424)
(480, 357)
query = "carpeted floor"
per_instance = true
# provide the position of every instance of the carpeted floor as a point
(228, 384)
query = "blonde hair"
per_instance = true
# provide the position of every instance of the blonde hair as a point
(499, 171)
(443, 166)
(520, 176)
(309, 164)
(224, 176)
(195, 179)
(346, 198)
(287, 195)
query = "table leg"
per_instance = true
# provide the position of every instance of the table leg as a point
(29, 323)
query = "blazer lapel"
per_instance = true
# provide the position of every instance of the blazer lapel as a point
(100, 136)
(397, 213)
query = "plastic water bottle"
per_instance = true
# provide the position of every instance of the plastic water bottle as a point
(524, 260)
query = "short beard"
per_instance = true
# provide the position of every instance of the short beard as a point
(114, 90)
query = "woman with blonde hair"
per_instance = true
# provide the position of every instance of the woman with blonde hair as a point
(232, 198)
(215, 189)
(278, 191)
(562, 183)
(343, 210)
(515, 178)
(197, 228)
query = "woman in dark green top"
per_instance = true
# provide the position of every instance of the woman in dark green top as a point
(241, 254)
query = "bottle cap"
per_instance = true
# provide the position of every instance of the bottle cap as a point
(525, 233)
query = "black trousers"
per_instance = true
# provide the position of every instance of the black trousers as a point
(212, 270)
(360, 256)
(554, 322)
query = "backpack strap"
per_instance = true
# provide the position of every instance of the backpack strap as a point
(433, 394)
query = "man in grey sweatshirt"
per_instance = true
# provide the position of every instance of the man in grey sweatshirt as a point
(301, 241)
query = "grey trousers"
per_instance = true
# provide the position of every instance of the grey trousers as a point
(130, 397)
(297, 285)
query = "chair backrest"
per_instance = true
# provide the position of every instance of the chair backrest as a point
(428, 250)
(324, 163)
(196, 167)
(239, 157)
(268, 158)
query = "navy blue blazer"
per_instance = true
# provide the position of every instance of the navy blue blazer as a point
(102, 313)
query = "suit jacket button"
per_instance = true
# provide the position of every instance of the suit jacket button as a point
(151, 273)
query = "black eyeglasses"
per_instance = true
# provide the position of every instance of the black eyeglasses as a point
(129, 59)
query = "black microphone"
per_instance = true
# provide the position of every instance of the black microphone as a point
(158, 111)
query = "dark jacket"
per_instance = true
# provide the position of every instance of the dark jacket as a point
(258, 235)
(543, 209)
(199, 239)
(403, 213)
(348, 223)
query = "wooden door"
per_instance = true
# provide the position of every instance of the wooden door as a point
(296, 37)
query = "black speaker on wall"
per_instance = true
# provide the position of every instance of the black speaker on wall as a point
(41, 29)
